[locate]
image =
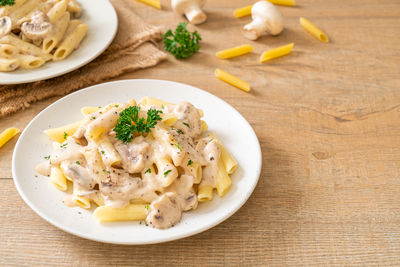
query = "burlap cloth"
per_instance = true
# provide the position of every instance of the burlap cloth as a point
(133, 48)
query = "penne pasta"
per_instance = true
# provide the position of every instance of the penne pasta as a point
(228, 160)
(8, 51)
(57, 11)
(153, 3)
(150, 101)
(223, 182)
(233, 80)
(7, 10)
(235, 51)
(169, 119)
(132, 212)
(58, 179)
(49, 43)
(314, 30)
(9, 64)
(78, 199)
(24, 47)
(89, 110)
(204, 126)
(75, 8)
(21, 12)
(60, 134)
(205, 193)
(283, 2)
(107, 151)
(7, 134)
(71, 42)
(30, 62)
(276, 52)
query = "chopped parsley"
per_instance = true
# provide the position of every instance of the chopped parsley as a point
(190, 162)
(130, 123)
(116, 106)
(102, 152)
(179, 146)
(146, 207)
(106, 171)
(186, 124)
(182, 43)
(65, 135)
(7, 2)
(166, 172)
(64, 145)
(148, 170)
(179, 131)
(93, 118)
(47, 157)
(77, 162)
(99, 107)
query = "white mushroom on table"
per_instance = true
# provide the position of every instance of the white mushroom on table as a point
(266, 19)
(192, 9)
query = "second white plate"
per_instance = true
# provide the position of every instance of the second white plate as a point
(102, 20)
(233, 130)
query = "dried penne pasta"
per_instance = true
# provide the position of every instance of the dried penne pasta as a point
(314, 30)
(233, 80)
(276, 52)
(235, 51)
(7, 134)
(153, 3)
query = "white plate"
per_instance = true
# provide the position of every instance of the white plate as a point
(102, 20)
(234, 131)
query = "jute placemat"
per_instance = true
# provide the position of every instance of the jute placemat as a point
(133, 48)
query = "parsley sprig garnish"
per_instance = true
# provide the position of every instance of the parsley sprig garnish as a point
(7, 2)
(130, 123)
(182, 43)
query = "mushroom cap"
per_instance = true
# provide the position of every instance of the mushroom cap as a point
(267, 11)
(5, 26)
(180, 5)
(38, 28)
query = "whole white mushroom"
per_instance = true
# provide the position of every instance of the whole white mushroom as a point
(192, 9)
(266, 18)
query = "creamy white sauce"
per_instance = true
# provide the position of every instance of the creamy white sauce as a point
(169, 188)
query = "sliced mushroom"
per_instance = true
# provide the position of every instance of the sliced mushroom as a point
(5, 26)
(38, 28)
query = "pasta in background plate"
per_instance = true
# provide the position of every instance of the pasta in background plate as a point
(150, 161)
(33, 32)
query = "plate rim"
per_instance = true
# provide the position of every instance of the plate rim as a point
(83, 63)
(133, 242)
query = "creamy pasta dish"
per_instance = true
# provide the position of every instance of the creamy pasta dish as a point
(33, 32)
(149, 161)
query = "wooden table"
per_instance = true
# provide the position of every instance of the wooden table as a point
(328, 120)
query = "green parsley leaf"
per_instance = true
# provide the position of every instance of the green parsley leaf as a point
(166, 172)
(116, 106)
(190, 162)
(77, 162)
(65, 135)
(102, 152)
(64, 145)
(93, 118)
(7, 2)
(182, 43)
(106, 171)
(148, 170)
(179, 131)
(47, 157)
(146, 207)
(129, 123)
(179, 146)
(186, 124)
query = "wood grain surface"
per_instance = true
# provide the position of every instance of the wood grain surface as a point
(328, 120)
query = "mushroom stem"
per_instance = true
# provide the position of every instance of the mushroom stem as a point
(254, 29)
(195, 15)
